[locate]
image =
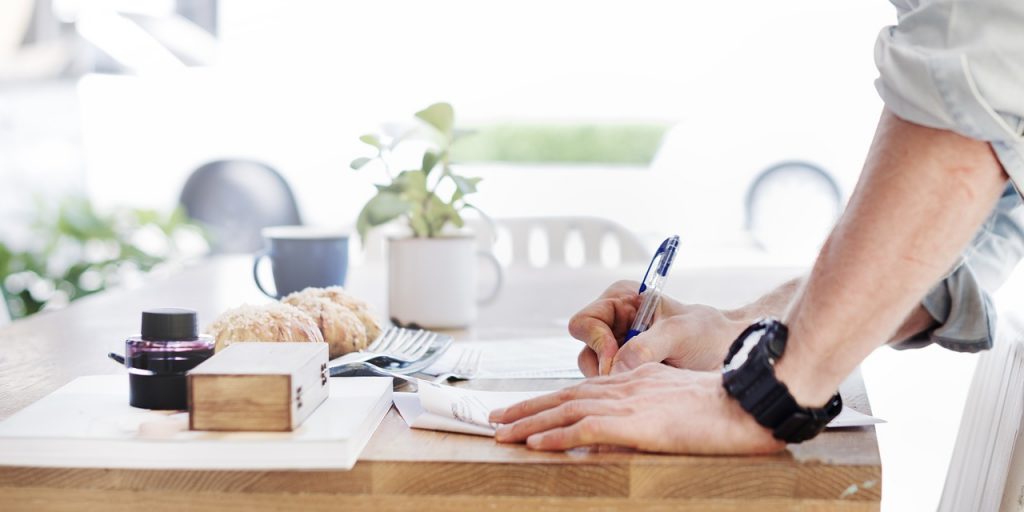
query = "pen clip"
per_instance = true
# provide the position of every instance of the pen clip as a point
(663, 257)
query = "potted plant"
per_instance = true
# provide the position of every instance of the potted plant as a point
(432, 272)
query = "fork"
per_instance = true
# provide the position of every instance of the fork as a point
(396, 344)
(466, 367)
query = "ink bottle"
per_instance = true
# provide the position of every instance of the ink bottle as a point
(158, 359)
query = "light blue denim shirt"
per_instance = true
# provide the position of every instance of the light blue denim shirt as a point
(959, 65)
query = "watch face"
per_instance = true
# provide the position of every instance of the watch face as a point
(748, 344)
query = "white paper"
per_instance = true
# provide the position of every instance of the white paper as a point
(533, 358)
(451, 409)
(853, 418)
(465, 411)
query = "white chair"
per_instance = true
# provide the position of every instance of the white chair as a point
(556, 241)
(561, 241)
(986, 471)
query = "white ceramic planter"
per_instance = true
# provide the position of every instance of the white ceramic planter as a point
(432, 282)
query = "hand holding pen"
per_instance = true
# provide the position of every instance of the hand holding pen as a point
(606, 322)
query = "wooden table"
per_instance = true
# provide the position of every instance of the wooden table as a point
(403, 469)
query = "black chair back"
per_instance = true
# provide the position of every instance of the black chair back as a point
(235, 199)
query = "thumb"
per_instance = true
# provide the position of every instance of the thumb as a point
(651, 346)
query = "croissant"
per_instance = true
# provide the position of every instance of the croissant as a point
(341, 328)
(339, 296)
(269, 322)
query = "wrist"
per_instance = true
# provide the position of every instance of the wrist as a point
(751, 376)
(809, 379)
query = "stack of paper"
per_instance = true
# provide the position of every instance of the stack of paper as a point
(535, 358)
(465, 411)
(88, 423)
(987, 466)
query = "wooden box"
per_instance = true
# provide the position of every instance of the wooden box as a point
(258, 386)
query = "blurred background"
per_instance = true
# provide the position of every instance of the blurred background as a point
(741, 126)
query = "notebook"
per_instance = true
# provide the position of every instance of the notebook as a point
(89, 424)
(986, 472)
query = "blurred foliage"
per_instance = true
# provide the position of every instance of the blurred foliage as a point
(71, 250)
(430, 197)
(562, 143)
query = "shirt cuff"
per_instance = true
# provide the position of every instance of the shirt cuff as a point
(965, 314)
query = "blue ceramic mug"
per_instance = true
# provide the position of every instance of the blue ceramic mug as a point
(301, 257)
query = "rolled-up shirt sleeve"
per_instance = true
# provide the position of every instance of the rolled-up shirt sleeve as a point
(961, 303)
(959, 65)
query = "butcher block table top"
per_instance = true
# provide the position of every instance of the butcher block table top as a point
(405, 469)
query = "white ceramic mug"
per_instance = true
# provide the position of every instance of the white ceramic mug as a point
(432, 282)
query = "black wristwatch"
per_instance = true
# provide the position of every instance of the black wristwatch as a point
(749, 377)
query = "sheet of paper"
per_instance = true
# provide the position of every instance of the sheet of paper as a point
(853, 418)
(450, 409)
(537, 358)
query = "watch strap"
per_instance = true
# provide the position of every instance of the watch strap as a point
(755, 386)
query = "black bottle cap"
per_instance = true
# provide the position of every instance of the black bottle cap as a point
(169, 324)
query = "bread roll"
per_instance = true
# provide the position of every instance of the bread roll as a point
(269, 322)
(340, 327)
(339, 296)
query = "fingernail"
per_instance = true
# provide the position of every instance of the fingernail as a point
(496, 415)
(502, 432)
(534, 441)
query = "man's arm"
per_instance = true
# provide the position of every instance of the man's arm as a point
(776, 302)
(922, 195)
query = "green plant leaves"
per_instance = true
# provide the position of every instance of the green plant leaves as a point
(464, 186)
(411, 193)
(382, 208)
(372, 140)
(441, 116)
(430, 160)
(360, 162)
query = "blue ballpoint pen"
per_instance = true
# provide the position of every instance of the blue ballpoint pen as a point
(650, 288)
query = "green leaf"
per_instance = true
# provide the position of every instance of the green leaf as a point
(430, 160)
(380, 209)
(358, 163)
(465, 185)
(412, 184)
(439, 115)
(439, 213)
(372, 140)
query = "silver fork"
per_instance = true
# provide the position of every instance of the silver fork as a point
(466, 367)
(397, 344)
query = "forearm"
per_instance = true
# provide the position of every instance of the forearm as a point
(775, 303)
(922, 195)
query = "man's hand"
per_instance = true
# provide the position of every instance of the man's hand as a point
(682, 335)
(652, 408)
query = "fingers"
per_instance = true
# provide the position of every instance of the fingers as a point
(662, 341)
(533, 406)
(616, 430)
(602, 323)
(560, 416)
(587, 362)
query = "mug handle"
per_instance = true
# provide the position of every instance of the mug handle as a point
(499, 279)
(256, 276)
